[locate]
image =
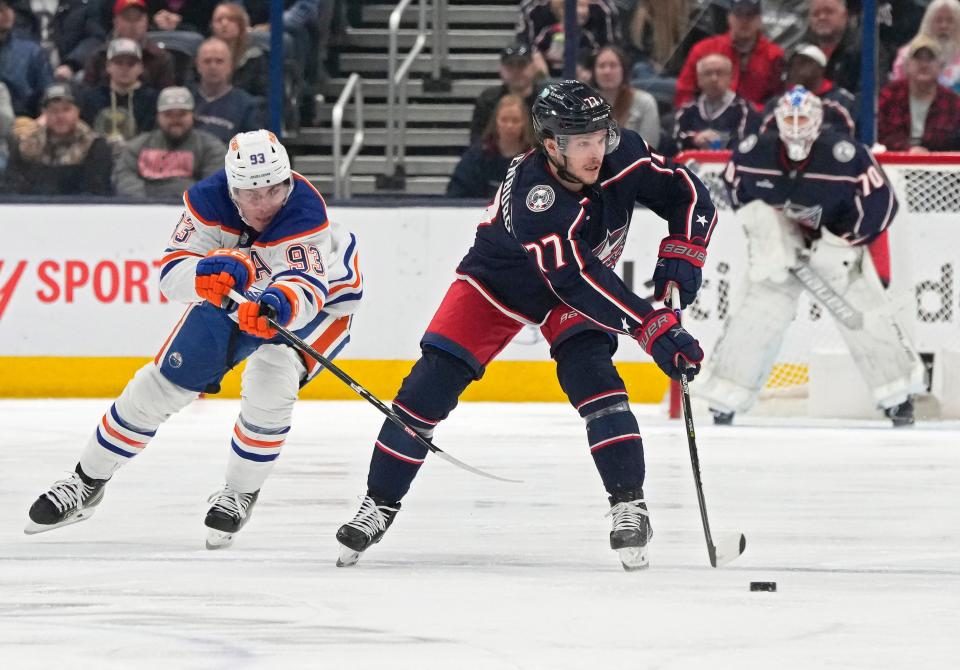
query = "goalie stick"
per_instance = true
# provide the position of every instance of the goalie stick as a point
(730, 545)
(826, 296)
(306, 349)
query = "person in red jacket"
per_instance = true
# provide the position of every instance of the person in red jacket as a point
(757, 62)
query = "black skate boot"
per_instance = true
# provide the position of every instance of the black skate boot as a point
(631, 528)
(721, 418)
(68, 501)
(901, 415)
(366, 529)
(230, 512)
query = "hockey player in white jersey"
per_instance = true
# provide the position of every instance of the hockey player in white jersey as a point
(818, 199)
(259, 228)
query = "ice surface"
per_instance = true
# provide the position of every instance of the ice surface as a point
(857, 524)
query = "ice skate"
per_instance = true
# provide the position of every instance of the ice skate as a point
(631, 528)
(721, 418)
(901, 415)
(230, 512)
(68, 501)
(366, 529)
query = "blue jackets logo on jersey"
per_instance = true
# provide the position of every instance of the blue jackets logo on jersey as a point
(844, 151)
(540, 198)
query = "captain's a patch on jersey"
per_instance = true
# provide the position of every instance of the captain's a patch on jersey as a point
(540, 198)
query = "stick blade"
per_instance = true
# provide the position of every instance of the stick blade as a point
(728, 549)
(469, 468)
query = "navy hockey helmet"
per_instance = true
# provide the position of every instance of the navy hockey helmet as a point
(570, 108)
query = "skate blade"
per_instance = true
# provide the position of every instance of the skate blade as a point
(33, 528)
(634, 558)
(217, 539)
(347, 557)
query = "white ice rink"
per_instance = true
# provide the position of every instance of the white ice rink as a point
(857, 523)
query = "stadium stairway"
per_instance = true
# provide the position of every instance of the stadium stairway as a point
(437, 122)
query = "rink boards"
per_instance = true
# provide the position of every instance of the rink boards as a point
(80, 307)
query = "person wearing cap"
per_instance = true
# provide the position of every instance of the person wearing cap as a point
(24, 67)
(757, 62)
(164, 162)
(806, 67)
(222, 109)
(517, 76)
(918, 114)
(130, 20)
(123, 107)
(718, 118)
(941, 21)
(60, 155)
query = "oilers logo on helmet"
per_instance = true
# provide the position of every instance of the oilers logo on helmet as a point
(256, 159)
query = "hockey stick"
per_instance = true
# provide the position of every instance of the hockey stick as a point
(306, 349)
(734, 544)
(826, 296)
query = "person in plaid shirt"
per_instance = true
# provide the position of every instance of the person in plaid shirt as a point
(917, 114)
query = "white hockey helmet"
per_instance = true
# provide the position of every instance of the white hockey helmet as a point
(256, 159)
(799, 118)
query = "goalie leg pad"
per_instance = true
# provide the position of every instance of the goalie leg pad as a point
(590, 380)
(270, 384)
(882, 350)
(773, 242)
(127, 427)
(747, 349)
(426, 397)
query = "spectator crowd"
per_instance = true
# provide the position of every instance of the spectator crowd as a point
(138, 97)
(134, 97)
(699, 75)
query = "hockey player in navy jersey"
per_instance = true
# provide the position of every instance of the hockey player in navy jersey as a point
(255, 227)
(815, 197)
(544, 255)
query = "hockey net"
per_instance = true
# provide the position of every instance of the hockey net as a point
(928, 191)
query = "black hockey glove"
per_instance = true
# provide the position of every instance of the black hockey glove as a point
(679, 263)
(662, 336)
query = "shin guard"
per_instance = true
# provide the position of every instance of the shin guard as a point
(590, 380)
(427, 396)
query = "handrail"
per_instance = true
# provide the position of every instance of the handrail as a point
(396, 141)
(341, 165)
(439, 47)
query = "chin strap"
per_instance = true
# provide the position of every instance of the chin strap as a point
(562, 169)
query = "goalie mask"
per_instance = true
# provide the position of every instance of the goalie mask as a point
(799, 118)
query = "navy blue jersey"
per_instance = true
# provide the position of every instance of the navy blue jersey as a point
(734, 121)
(839, 186)
(542, 245)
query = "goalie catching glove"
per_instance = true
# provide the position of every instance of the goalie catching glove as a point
(662, 336)
(679, 263)
(222, 270)
(278, 303)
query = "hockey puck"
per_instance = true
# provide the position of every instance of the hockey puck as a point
(763, 586)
